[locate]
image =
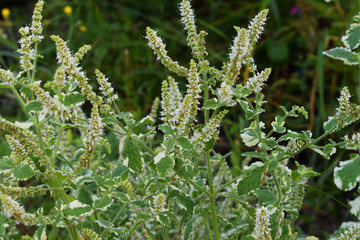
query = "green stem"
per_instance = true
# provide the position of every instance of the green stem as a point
(257, 117)
(199, 188)
(115, 218)
(278, 189)
(208, 164)
(208, 227)
(61, 195)
(34, 119)
(52, 164)
(103, 198)
(117, 215)
(132, 230)
(35, 62)
(227, 184)
(129, 131)
(315, 141)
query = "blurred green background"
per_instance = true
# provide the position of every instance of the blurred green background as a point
(295, 35)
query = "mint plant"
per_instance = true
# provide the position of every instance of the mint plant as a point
(347, 174)
(180, 188)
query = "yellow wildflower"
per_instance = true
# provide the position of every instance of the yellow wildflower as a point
(5, 13)
(68, 10)
(83, 28)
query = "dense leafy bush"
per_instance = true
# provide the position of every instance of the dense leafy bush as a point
(101, 175)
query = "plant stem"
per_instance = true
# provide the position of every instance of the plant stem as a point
(117, 215)
(52, 164)
(61, 195)
(278, 189)
(257, 117)
(208, 227)
(208, 164)
(129, 131)
(132, 229)
(227, 184)
(200, 188)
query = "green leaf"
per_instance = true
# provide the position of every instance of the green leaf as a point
(104, 183)
(259, 155)
(351, 39)
(23, 171)
(268, 144)
(188, 228)
(34, 105)
(278, 125)
(330, 124)
(251, 178)
(122, 172)
(26, 92)
(147, 120)
(347, 174)
(187, 172)
(164, 218)
(164, 164)
(132, 152)
(109, 120)
(84, 195)
(76, 209)
(272, 164)
(102, 204)
(212, 104)
(249, 138)
(166, 129)
(248, 237)
(241, 91)
(144, 216)
(265, 196)
(184, 143)
(40, 233)
(185, 202)
(120, 196)
(249, 113)
(74, 98)
(340, 53)
(127, 117)
(6, 163)
(295, 176)
(355, 207)
(209, 145)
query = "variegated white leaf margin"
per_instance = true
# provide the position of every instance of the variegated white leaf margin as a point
(347, 175)
(343, 54)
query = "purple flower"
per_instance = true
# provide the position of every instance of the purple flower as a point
(295, 10)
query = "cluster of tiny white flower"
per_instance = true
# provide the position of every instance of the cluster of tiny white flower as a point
(51, 104)
(158, 47)
(71, 68)
(262, 222)
(159, 202)
(209, 130)
(6, 77)
(19, 152)
(353, 143)
(256, 27)
(105, 87)
(344, 100)
(13, 209)
(225, 93)
(350, 234)
(29, 36)
(239, 48)
(256, 83)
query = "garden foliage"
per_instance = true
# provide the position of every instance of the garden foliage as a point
(180, 188)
